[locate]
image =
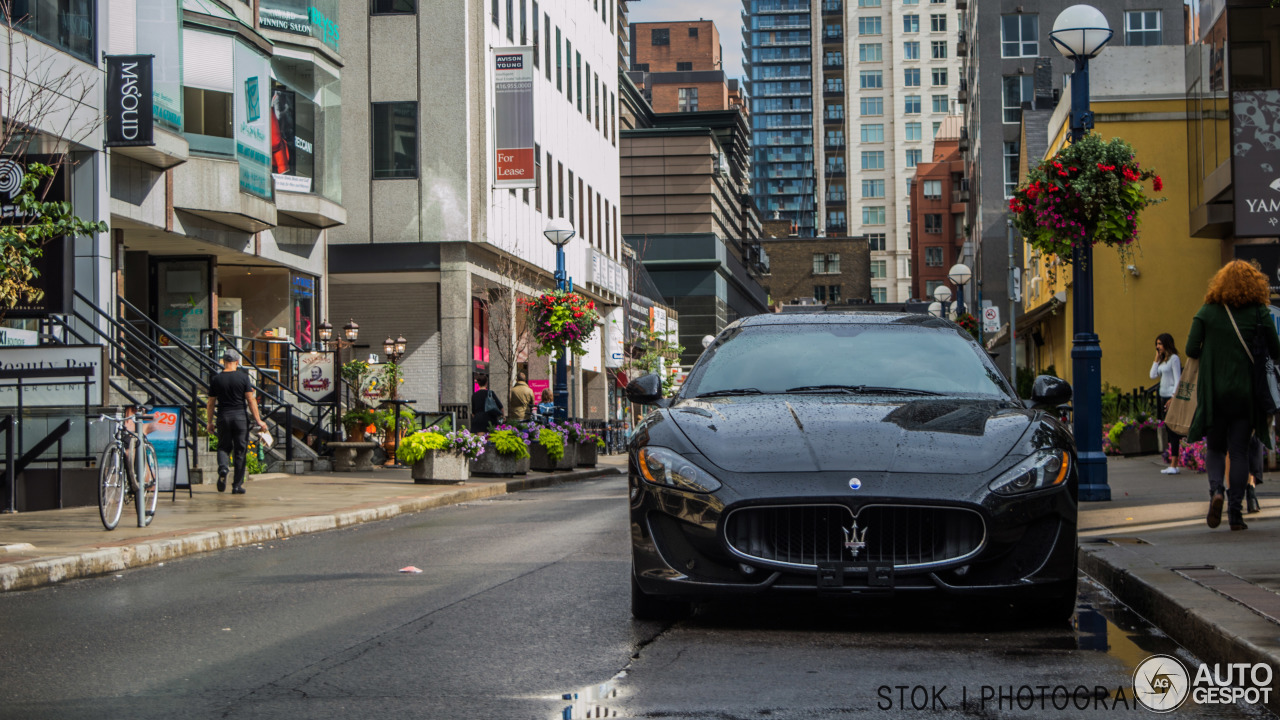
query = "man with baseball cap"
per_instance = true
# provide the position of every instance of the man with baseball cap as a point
(231, 391)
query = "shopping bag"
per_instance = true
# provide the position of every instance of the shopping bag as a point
(1182, 409)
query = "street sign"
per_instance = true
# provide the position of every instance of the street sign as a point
(991, 319)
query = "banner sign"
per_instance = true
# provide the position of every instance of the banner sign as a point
(252, 132)
(49, 393)
(164, 433)
(54, 267)
(129, 99)
(160, 35)
(614, 332)
(316, 18)
(514, 164)
(1255, 163)
(317, 376)
(284, 141)
(374, 387)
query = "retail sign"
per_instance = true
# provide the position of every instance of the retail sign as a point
(513, 163)
(165, 433)
(54, 267)
(49, 392)
(160, 35)
(658, 320)
(129, 101)
(1255, 163)
(252, 130)
(591, 360)
(315, 18)
(317, 376)
(614, 333)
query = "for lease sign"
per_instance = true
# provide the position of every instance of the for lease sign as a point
(514, 164)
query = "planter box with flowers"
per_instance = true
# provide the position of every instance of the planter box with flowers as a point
(1128, 436)
(441, 458)
(506, 453)
(550, 452)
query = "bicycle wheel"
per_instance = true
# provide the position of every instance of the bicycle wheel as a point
(152, 471)
(110, 486)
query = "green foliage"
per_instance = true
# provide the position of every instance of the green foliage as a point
(385, 419)
(353, 371)
(653, 348)
(22, 243)
(508, 443)
(600, 442)
(363, 416)
(414, 447)
(553, 443)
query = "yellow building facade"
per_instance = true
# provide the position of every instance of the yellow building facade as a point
(1161, 286)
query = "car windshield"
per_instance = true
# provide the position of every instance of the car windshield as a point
(843, 357)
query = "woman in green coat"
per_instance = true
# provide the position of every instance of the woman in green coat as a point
(1226, 414)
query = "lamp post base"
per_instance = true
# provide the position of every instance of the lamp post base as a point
(1092, 470)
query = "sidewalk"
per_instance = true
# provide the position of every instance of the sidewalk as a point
(41, 548)
(1216, 592)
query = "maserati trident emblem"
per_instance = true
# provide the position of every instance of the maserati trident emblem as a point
(854, 541)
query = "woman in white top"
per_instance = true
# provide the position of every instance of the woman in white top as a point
(1168, 368)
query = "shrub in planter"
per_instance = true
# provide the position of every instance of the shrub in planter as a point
(356, 422)
(548, 451)
(441, 457)
(507, 453)
(589, 448)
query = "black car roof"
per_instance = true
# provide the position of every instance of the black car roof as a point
(847, 317)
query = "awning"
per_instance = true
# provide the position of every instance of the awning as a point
(1029, 318)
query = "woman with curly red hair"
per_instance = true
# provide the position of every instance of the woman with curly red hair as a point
(1226, 414)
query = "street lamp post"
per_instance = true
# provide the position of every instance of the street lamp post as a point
(1080, 32)
(959, 275)
(560, 231)
(942, 294)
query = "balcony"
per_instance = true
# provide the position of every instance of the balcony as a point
(831, 93)
(833, 120)
(959, 196)
(834, 144)
(962, 96)
(835, 172)
(962, 44)
(840, 230)
(830, 8)
(962, 4)
(833, 64)
(828, 37)
(964, 140)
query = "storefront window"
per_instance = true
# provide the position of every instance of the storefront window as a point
(65, 24)
(305, 141)
(304, 304)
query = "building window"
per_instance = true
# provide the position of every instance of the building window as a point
(913, 131)
(879, 295)
(873, 188)
(939, 77)
(833, 32)
(524, 24)
(872, 106)
(493, 10)
(393, 7)
(911, 50)
(688, 98)
(1142, 27)
(875, 241)
(1019, 36)
(578, 78)
(833, 59)
(835, 138)
(642, 67)
(835, 193)
(836, 220)
(938, 49)
(511, 21)
(936, 125)
(938, 23)
(1017, 89)
(941, 103)
(1011, 169)
(559, 61)
(870, 52)
(868, 26)
(826, 293)
(913, 158)
(910, 23)
(873, 215)
(826, 263)
(879, 269)
(932, 189)
(933, 223)
(835, 85)
(395, 140)
(933, 257)
(660, 36)
(873, 133)
(871, 79)
(835, 111)
(835, 164)
(911, 77)
(911, 104)
(684, 66)
(869, 3)
(693, 32)
(873, 160)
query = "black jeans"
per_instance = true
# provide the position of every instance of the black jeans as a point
(1229, 436)
(233, 440)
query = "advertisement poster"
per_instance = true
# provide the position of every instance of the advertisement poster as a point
(165, 433)
(252, 131)
(1255, 165)
(160, 35)
(317, 376)
(54, 267)
(513, 118)
(129, 97)
(284, 140)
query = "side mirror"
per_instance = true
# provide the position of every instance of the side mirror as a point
(1050, 391)
(645, 390)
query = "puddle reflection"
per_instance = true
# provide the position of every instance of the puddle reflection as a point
(590, 702)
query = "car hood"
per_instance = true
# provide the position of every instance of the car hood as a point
(800, 433)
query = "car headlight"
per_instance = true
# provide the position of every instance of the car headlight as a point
(661, 466)
(1043, 469)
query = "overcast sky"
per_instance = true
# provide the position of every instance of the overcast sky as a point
(725, 13)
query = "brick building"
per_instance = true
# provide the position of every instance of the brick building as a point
(827, 269)
(677, 67)
(939, 196)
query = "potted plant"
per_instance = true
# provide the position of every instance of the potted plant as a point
(441, 457)
(561, 319)
(505, 453)
(385, 420)
(547, 451)
(589, 450)
(356, 421)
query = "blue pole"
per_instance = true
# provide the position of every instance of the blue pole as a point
(1086, 352)
(562, 363)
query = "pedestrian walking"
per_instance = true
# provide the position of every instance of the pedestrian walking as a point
(522, 401)
(232, 396)
(486, 408)
(1226, 412)
(547, 407)
(1168, 368)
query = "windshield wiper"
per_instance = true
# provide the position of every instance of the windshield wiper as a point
(860, 390)
(730, 392)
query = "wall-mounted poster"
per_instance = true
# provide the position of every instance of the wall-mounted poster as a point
(1255, 165)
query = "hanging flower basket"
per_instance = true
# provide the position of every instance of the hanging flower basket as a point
(1089, 192)
(561, 319)
(968, 323)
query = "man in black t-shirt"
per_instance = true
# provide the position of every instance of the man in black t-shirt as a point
(231, 391)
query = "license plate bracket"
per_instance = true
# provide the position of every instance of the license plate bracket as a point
(842, 575)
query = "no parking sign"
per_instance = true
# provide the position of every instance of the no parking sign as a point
(991, 319)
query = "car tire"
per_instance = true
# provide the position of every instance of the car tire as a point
(656, 607)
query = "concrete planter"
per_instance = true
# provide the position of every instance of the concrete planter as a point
(1138, 441)
(588, 454)
(538, 459)
(494, 463)
(442, 468)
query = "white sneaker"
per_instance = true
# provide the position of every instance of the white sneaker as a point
(1170, 471)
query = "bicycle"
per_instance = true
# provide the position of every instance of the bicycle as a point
(118, 479)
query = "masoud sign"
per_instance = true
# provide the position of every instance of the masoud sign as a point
(129, 101)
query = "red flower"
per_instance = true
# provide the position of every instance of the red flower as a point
(1158, 184)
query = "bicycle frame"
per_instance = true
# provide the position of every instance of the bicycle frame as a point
(135, 467)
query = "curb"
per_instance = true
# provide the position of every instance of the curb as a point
(102, 561)
(1213, 628)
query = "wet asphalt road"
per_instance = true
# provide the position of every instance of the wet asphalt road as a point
(521, 611)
